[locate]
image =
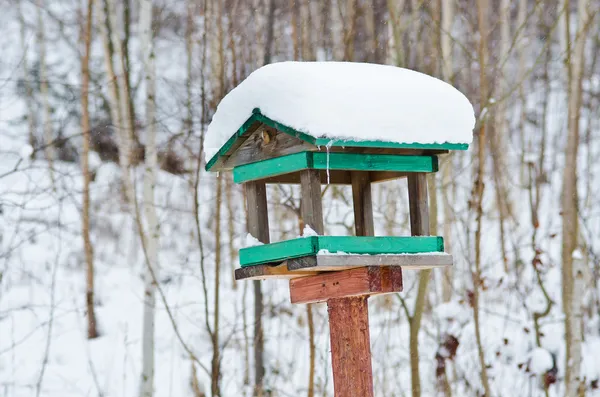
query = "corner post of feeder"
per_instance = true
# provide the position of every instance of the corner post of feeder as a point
(363, 204)
(418, 204)
(312, 206)
(257, 222)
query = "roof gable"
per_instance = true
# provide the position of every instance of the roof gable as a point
(260, 138)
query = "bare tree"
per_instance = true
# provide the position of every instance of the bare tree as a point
(572, 299)
(85, 129)
(149, 208)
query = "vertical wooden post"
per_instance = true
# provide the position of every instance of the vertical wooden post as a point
(350, 346)
(363, 204)
(258, 226)
(418, 205)
(312, 208)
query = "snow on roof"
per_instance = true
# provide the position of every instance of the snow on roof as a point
(348, 101)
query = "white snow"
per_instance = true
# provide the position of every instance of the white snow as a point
(252, 241)
(577, 255)
(540, 361)
(94, 160)
(308, 231)
(348, 101)
(26, 151)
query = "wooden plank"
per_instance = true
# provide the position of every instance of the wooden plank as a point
(257, 212)
(290, 163)
(418, 204)
(335, 177)
(264, 272)
(240, 136)
(325, 262)
(277, 252)
(354, 282)
(380, 244)
(311, 208)
(307, 246)
(272, 167)
(362, 203)
(350, 347)
(373, 162)
(266, 143)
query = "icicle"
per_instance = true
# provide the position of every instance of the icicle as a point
(329, 144)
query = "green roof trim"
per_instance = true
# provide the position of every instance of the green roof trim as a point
(257, 116)
(333, 161)
(307, 246)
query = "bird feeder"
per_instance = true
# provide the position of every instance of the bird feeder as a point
(269, 145)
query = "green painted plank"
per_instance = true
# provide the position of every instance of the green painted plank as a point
(273, 252)
(278, 252)
(272, 167)
(374, 162)
(333, 161)
(381, 245)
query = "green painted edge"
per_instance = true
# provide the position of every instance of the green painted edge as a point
(225, 148)
(272, 167)
(258, 116)
(333, 161)
(374, 162)
(273, 252)
(307, 246)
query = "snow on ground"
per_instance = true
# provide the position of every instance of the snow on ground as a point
(349, 101)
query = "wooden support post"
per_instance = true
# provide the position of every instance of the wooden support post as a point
(258, 226)
(346, 292)
(350, 346)
(363, 205)
(418, 205)
(312, 207)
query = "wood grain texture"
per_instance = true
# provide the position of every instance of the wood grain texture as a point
(311, 208)
(325, 263)
(350, 347)
(361, 281)
(265, 272)
(258, 216)
(418, 204)
(363, 204)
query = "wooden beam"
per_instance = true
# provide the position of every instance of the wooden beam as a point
(418, 205)
(264, 272)
(361, 281)
(350, 346)
(328, 263)
(290, 163)
(258, 216)
(363, 204)
(311, 208)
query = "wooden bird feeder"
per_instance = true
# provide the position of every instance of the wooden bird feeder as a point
(264, 151)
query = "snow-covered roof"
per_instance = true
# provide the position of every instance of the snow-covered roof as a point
(347, 101)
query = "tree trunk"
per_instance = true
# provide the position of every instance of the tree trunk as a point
(482, 17)
(570, 198)
(149, 208)
(31, 118)
(85, 211)
(48, 136)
